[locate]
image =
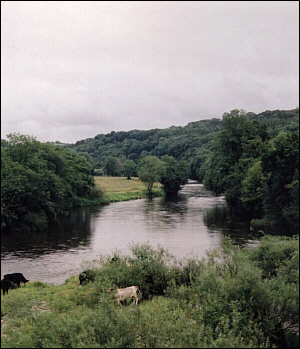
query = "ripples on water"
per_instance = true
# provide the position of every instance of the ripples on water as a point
(186, 227)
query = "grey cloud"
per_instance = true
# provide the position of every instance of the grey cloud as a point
(71, 70)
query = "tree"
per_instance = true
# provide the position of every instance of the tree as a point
(174, 175)
(252, 190)
(40, 181)
(112, 167)
(233, 152)
(281, 167)
(149, 172)
(129, 168)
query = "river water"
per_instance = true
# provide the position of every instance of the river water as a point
(188, 227)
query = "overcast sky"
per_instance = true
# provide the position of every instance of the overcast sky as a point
(73, 69)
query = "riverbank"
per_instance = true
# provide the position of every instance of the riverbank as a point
(237, 299)
(117, 189)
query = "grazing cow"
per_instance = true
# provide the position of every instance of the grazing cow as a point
(87, 275)
(126, 293)
(16, 278)
(5, 285)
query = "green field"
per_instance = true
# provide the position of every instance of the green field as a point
(122, 189)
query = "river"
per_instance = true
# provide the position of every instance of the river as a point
(188, 227)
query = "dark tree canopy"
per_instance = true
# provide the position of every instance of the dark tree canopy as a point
(129, 168)
(257, 168)
(40, 181)
(174, 175)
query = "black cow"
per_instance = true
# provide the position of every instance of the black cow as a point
(5, 285)
(87, 275)
(16, 278)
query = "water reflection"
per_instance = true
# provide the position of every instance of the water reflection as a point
(167, 211)
(218, 218)
(68, 232)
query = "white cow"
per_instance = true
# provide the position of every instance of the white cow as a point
(125, 293)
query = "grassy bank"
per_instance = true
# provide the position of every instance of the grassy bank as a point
(233, 299)
(121, 189)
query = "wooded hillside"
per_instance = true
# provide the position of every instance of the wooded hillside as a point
(191, 142)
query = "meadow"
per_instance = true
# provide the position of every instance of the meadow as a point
(121, 189)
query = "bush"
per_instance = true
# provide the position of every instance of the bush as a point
(273, 252)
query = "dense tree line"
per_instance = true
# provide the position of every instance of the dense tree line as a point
(258, 170)
(40, 181)
(190, 143)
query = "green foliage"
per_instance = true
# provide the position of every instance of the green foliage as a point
(183, 143)
(251, 192)
(278, 120)
(226, 167)
(149, 171)
(40, 181)
(232, 299)
(174, 175)
(147, 269)
(112, 167)
(258, 174)
(281, 167)
(191, 142)
(129, 168)
(272, 252)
